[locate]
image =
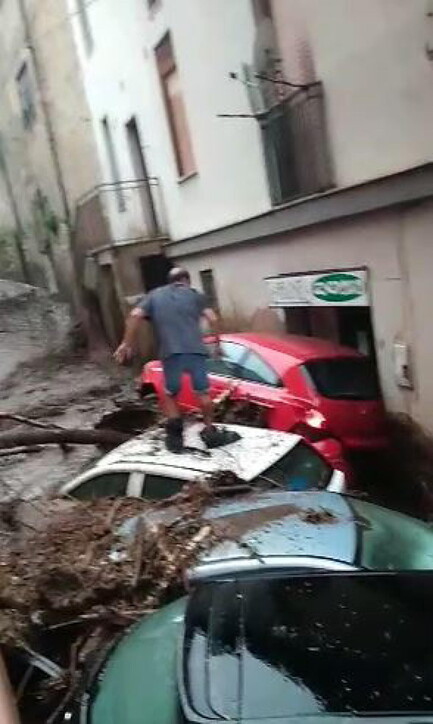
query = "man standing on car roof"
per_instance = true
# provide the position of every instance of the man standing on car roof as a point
(175, 312)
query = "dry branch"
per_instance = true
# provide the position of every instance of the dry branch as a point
(29, 421)
(22, 450)
(57, 437)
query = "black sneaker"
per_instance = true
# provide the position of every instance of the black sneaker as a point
(218, 437)
(174, 435)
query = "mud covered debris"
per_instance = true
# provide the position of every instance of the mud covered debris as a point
(318, 517)
(64, 588)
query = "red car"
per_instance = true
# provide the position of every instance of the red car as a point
(319, 389)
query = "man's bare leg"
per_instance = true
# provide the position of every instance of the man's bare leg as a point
(207, 409)
(174, 424)
(171, 407)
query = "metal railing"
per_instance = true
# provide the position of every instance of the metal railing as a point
(120, 213)
(296, 145)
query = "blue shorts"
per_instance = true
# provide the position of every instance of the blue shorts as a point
(178, 365)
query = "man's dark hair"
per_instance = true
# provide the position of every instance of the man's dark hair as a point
(177, 274)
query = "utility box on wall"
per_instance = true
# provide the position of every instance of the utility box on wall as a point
(402, 366)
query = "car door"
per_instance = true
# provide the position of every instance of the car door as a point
(224, 370)
(158, 486)
(260, 383)
(223, 373)
(102, 485)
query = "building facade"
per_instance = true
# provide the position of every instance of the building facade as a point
(282, 151)
(47, 153)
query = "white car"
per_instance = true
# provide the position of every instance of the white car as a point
(142, 467)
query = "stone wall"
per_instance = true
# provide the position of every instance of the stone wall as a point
(32, 323)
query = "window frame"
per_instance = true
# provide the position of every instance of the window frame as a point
(246, 354)
(133, 487)
(223, 344)
(113, 163)
(308, 370)
(301, 448)
(166, 66)
(279, 382)
(167, 471)
(26, 95)
(208, 285)
(86, 28)
(168, 478)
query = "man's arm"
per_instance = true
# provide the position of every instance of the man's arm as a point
(212, 319)
(125, 350)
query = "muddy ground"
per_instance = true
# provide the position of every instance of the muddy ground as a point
(67, 390)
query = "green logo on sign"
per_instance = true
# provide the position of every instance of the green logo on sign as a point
(338, 287)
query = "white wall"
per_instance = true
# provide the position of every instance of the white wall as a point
(240, 272)
(370, 56)
(210, 40)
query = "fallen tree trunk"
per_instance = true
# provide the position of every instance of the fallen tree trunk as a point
(56, 437)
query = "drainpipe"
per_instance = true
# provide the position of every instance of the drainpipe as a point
(46, 112)
(19, 230)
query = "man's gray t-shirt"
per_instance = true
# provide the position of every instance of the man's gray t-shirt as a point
(175, 311)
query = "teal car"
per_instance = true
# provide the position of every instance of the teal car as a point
(320, 611)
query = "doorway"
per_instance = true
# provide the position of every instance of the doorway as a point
(154, 271)
(349, 326)
(141, 175)
(356, 330)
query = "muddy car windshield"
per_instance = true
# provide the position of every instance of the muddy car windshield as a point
(292, 646)
(300, 469)
(351, 378)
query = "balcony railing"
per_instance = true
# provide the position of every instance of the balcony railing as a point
(296, 145)
(120, 213)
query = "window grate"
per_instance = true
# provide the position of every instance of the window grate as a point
(296, 145)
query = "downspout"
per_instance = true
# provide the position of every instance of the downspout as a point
(19, 230)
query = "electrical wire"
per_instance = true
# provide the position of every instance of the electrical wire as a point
(303, 86)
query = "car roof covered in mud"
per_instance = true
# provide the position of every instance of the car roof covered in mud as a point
(315, 529)
(256, 450)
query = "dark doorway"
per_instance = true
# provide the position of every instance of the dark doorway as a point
(154, 271)
(140, 172)
(111, 312)
(355, 329)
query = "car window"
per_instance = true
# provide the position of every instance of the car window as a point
(157, 487)
(227, 365)
(254, 369)
(351, 378)
(390, 540)
(303, 645)
(377, 647)
(211, 638)
(300, 469)
(102, 486)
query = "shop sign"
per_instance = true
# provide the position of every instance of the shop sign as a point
(336, 288)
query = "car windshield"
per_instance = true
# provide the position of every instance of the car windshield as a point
(300, 469)
(351, 378)
(391, 541)
(288, 646)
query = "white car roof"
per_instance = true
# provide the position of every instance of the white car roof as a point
(256, 451)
